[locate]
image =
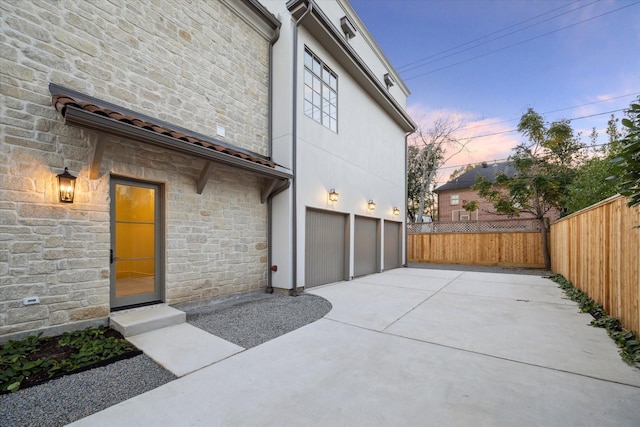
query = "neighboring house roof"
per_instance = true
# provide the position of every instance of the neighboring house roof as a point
(467, 179)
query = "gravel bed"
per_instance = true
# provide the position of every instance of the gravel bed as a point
(72, 397)
(247, 321)
(266, 316)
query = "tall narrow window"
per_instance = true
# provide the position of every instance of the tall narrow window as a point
(320, 92)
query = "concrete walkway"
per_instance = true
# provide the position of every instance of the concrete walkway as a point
(412, 347)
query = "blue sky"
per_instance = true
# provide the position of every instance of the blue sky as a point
(580, 57)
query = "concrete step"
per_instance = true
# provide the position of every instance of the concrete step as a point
(182, 349)
(146, 319)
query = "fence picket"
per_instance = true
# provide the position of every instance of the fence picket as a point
(598, 250)
(507, 248)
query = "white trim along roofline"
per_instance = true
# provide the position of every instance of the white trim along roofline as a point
(319, 25)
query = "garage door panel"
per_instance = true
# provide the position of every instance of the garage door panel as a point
(324, 247)
(366, 252)
(392, 244)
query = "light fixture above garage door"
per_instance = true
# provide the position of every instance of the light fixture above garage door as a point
(333, 196)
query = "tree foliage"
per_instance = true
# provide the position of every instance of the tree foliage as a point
(591, 184)
(544, 167)
(470, 206)
(429, 149)
(627, 163)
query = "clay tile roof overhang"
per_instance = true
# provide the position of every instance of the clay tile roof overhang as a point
(84, 111)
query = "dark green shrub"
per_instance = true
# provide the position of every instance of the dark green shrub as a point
(626, 340)
(35, 358)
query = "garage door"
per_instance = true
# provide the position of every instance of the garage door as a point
(325, 243)
(366, 250)
(392, 244)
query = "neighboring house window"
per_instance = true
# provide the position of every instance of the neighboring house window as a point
(455, 199)
(320, 92)
(463, 215)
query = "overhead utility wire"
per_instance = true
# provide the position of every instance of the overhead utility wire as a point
(473, 163)
(516, 130)
(504, 160)
(555, 111)
(483, 37)
(571, 120)
(495, 38)
(521, 42)
(594, 102)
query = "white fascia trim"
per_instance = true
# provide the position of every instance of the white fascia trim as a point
(355, 19)
(256, 16)
(319, 25)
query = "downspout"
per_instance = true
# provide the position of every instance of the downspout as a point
(294, 139)
(406, 198)
(269, 153)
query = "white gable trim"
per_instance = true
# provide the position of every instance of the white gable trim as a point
(319, 25)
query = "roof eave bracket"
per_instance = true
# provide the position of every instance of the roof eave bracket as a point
(96, 156)
(206, 172)
(273, 187)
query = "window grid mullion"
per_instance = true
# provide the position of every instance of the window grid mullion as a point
(321, 103)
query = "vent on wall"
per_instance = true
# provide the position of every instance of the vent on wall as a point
(347, 27)
(389, 80)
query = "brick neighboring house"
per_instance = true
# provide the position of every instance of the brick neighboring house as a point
(453, 195)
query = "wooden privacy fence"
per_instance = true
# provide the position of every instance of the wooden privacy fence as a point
(508, 249)
(598, 250)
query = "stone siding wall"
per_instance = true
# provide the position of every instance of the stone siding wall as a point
(194, 64)
(215, 241)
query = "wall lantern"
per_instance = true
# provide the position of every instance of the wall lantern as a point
(371, 205)
(333, 196)
(396, 211)
(67, 186)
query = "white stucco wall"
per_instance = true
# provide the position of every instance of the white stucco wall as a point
(366, 46)
(364, 160)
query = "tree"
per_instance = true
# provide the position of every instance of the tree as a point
(591, 184)
(470, 206)
(428, 150)
(544, 168)
(416, 164)
(628, 161)
(615, 135)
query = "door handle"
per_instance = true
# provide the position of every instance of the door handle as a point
(111, 257)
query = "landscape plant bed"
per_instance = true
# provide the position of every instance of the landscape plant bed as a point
(626, 340)
(36, 359)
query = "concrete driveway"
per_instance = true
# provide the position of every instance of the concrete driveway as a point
(412, 347)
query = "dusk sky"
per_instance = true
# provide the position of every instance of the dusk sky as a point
(487, 61)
